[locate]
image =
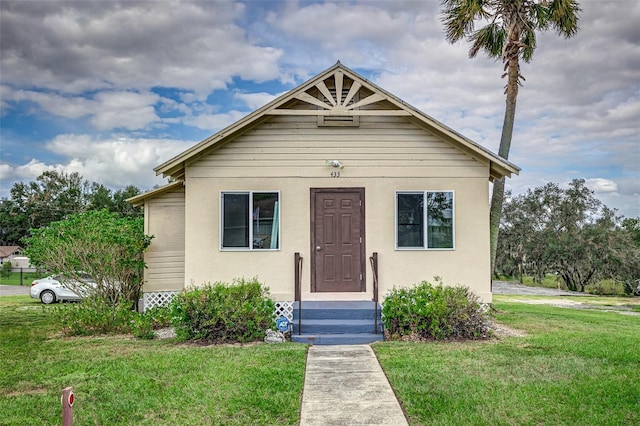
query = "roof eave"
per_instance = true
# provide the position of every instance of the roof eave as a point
(140, 199)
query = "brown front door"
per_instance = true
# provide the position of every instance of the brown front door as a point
(337, 240)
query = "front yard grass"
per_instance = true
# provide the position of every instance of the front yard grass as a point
(574, 367)
(15, 279)
(119, 380)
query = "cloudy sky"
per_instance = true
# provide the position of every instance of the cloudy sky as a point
(111, 89)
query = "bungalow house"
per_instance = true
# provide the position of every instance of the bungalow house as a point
(8, 253)
(334, 191)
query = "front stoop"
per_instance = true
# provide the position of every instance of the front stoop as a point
(336, 323)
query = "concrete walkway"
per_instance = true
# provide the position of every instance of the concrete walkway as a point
(345, 385)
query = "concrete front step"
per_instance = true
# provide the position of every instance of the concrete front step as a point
(337, 326)
(360, 309)
(337, 339)
(336, 322)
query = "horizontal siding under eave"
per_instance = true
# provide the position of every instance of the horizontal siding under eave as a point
(165, 257)
(171, 197)
(165, 271)
(381, 146)
(348, 172)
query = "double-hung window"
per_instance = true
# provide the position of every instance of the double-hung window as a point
(250, 220)
(424, 220)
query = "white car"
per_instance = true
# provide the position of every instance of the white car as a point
(50, 289)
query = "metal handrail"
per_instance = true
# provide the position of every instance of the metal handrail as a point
(298, 288)
(374, 268)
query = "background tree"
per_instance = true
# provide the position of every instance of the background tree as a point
(567, 232)
(101, 197)
(509, 34)
(98, 242)
(13, 224)
(632, 226)
(122, 206)
(53, 196)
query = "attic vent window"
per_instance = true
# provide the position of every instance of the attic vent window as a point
(338, 120)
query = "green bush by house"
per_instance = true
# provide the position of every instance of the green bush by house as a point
(96, 316)
(427, 311)
(240, 312)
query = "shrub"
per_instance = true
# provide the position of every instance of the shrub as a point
(94, 316)
(428, 311)
(97, 316)
(240, 312)
(606, 288)
(6, 269)
(144, 324)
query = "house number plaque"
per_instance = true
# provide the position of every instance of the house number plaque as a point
(335, 174)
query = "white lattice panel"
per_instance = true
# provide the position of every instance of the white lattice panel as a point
(162, 298)
(158, 298)
(285, 309)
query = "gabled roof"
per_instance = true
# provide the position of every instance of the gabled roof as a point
(6, 251)
(139, 200)
(361, 98)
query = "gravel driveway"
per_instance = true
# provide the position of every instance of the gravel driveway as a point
(504, 287)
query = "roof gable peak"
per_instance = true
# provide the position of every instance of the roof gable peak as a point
(338, 92)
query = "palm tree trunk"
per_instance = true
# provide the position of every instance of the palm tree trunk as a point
(497, 196)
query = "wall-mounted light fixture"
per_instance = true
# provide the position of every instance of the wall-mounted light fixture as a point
(335, 163)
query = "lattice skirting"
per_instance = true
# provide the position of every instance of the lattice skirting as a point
(163, 298)
(157, 298)
(285, 309)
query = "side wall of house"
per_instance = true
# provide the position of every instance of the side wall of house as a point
(382, 155)
(165, 220)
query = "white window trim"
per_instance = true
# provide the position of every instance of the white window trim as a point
(426, 227)
(221, 220)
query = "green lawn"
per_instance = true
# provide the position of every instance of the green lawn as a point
(575, 367)
(27, 277)
(118, 380)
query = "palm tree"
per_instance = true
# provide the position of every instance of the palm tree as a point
(509, 35)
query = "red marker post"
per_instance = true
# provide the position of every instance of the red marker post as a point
(68, 398)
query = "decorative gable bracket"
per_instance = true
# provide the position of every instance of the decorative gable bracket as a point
(337, 97)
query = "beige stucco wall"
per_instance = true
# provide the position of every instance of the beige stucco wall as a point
(383, 155)
(467, 264)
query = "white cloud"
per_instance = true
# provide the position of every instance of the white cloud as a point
(25, 172)
(600, 185)
(115, 162)
(125, 110)
(256, 100)
(213, 122)
(84, 46)
(107, 110)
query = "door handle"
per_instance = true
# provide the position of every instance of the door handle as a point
(318, 248)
